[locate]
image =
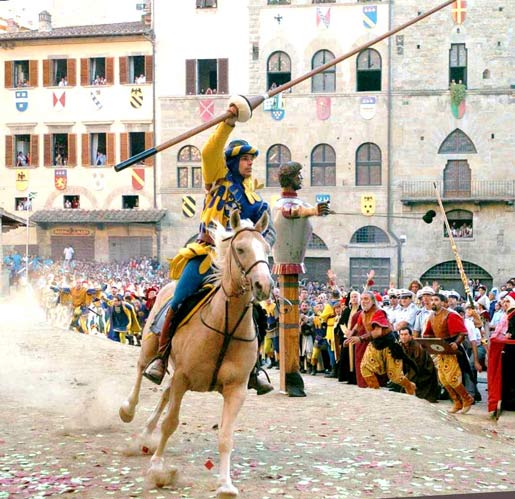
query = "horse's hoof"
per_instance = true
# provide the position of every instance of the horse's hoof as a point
(126, 413)
(159, 475)
(226, 491)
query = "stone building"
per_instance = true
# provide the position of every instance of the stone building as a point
(78, 100)
(373, 133)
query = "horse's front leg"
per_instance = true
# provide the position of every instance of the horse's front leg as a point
(148, 350)
(158, 474)
(234, 396)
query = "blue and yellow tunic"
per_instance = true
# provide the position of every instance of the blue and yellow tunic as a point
(225, 192)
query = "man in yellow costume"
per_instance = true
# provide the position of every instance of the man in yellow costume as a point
(229, 186)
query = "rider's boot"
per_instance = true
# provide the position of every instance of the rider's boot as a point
(258, 383)
(156, 368)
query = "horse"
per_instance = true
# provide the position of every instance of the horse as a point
(216, 349)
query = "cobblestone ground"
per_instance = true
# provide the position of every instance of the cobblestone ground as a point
(60, 433)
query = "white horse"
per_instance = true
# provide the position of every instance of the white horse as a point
(215, 350)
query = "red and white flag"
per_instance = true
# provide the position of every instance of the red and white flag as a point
(206, 109)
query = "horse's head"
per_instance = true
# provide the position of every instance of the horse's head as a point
(248, 254)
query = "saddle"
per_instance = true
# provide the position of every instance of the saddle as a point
(190, 305)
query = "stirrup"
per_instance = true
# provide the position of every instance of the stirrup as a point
(157, 379)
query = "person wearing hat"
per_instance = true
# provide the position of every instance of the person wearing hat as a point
(229, 186)
(450, 326)
(407, 312)
(391, 309)
(424, 312)
(452, 299)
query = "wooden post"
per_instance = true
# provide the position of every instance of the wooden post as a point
(289, 327)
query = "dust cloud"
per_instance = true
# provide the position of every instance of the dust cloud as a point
(37, 369)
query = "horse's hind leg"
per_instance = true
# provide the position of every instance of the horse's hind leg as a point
(148, 350)
(146, 441)
(158, 474)
(233, 400)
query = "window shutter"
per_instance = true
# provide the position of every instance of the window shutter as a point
(8, 74)
(191, 77)
(33, 73)
(124, 146)
(34, 150)
(123, 70)
(9, 157)
(71, 70)
(148, 68)
(85, 149)
(46, 73)
(149, 142)
(109, 70)
(72, 149)
(110, 149)
(223, 76)
(47, 150)
(84, 72)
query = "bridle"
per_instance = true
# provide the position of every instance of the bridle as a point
(229, 335)
(244, 273)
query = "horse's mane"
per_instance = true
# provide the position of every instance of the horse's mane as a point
(222, 236)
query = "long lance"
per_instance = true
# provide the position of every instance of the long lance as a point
(454, 248)
(257, 100)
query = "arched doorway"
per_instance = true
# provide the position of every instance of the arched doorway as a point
(448, 275)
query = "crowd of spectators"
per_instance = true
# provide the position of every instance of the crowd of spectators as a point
(329, 317)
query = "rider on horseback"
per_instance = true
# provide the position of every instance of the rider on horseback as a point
(229, 186)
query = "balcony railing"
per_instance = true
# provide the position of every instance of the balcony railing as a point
(477, 190)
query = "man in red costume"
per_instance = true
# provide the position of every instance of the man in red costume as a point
(448, 325)
(383, 354)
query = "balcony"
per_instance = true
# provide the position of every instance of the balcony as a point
(477, 191)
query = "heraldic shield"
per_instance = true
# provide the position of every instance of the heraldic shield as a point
(60, 179)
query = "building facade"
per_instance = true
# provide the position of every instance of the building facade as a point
(373, 133)
(77, 100)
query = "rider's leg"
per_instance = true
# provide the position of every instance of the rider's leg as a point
(190, 280)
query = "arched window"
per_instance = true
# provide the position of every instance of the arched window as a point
(316, 242)
(368, 71)
(368, 164)
(457, 142)
(457, 179)
(323, 165)
(325, 81)
(448, 275)
(369, 235)
(275, 157)
(188, 167)
(278, 69)
(461, 222)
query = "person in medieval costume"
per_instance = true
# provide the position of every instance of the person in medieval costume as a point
(383, 354)
(229, 186)
(449, 326)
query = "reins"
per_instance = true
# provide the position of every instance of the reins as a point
(229, 335)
